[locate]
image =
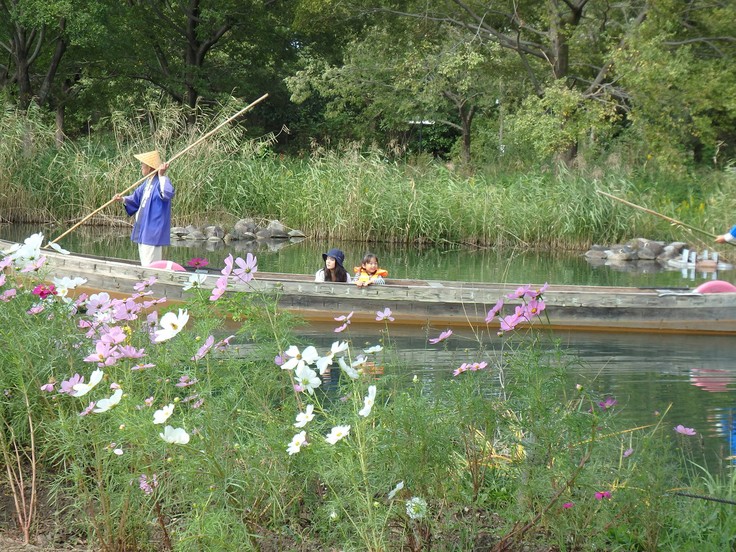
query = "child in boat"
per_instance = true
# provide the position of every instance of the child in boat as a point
(368, 272)
(332, 271)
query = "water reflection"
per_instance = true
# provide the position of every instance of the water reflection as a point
(446, 262)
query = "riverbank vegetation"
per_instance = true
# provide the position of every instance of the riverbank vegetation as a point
(148, 426)
(354, 193)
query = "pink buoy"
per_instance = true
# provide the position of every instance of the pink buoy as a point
(716, 286)
(167, 265)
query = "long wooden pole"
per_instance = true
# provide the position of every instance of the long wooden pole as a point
(182, 152)
(673, 221)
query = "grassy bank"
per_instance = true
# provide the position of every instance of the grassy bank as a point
(182, 444)
(353, 194)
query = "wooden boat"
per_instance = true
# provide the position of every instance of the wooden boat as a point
(437, 303)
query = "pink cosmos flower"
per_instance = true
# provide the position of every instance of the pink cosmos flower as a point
(603, 494)
(534, 308)
(279, 359)
(246, 268)
(682, 430)
(204, 349)
(345, 318)
(147, 485)
(444, 335)
(35, 265)
(494, 311)
(6, 262)
(186, 381)
(228, 266)
(36, 309)
(199, 403)
(128, 351)
(88, 409)
(148, 401)
(140, 286)
(224, 344)
(523, 291)
(112, 335)
(628, 452)
(103, 354)
(385, 314)
(463, 368)
(8, 295)
(198, 262)
(610, 402)
(48, 387)
(219, 289)
(126, 310)
(568, 505)
(67, 386)
(141, 367)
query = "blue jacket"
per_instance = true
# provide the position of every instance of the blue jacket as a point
(153, 220)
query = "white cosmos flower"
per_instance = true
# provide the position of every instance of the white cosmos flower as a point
(349, 370)
(303, 417)
(63, 285)
(160, 416)
(396, 489)
(56, 247)
(195, 281)
(174, 436)
(325, 361)
(307, 378)
(103, 405)
(369, 400)
(171, 324)
(297, 359)
(337, 433)
(81, 389)
(374, 349)
(28, 252)
(297, 442)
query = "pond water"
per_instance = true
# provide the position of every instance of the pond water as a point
(645, 373)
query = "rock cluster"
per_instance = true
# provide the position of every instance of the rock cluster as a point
(640, 252)
(245, 229)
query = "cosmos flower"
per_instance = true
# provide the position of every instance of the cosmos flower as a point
(385, 314)
(368, 402)
(682, 430)
(337, 433)
(246, 268)
(175, 436)
(160, 416)
(444, 335)
(81, 389)
(299, 359)
(297, 442)
(171, 324)
(304, 417)
(103, 405)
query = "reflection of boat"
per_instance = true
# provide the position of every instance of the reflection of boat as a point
(713, 380)
(417, 302)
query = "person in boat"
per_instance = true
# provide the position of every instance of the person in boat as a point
(368, 272)
(151, 205)
(728, 236)
(333, 270)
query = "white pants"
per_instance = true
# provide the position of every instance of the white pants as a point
(149, 254)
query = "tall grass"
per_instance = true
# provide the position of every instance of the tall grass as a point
(352, 194)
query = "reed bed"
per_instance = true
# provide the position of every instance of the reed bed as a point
(354, 194)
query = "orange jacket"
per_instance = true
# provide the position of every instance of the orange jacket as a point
(362, 276)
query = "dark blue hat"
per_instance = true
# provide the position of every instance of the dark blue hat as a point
(336, 254)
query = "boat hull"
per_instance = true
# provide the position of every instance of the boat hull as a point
(435, 303)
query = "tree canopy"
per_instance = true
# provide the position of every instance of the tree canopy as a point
(551, 78)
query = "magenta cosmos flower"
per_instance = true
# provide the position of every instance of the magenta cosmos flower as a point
(198, 262)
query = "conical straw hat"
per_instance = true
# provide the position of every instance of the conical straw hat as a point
(150, 158)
